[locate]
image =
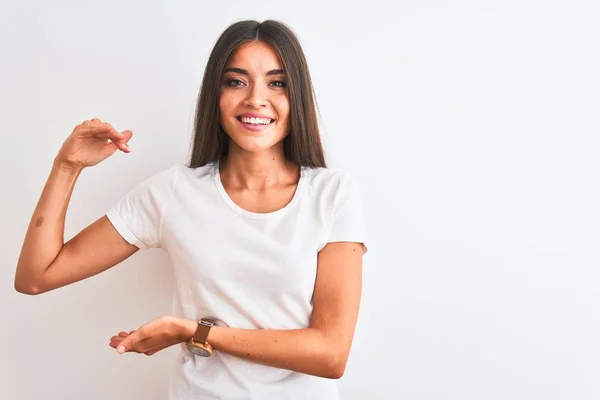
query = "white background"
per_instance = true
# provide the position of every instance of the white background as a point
(471, 126)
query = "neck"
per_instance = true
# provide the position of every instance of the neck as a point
(241, 169)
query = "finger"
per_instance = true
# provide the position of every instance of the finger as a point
(123, 334)
(131, 342)
(115, 341)
(92, 128)
(105, 131)
(93, 122)
(127, 135)
(110, 147)
(113, 137)
(113, 134)
(120, 142)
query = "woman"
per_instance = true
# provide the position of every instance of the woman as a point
(266, 242)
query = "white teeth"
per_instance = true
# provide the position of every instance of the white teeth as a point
(256, 121)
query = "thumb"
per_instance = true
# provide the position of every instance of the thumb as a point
(127, 344)
(113, 145)
(127, 135)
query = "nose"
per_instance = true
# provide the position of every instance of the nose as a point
(257, 96)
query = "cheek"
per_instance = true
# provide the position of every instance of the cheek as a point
(282, 107)
(230, 99)
(226, 109)
(224, 104)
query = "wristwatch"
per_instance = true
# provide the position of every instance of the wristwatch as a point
(198, 344)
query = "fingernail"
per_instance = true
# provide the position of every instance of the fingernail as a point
(120, 349)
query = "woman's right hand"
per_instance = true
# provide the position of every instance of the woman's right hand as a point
(88, 144)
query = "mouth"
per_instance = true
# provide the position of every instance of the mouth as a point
(257, 122)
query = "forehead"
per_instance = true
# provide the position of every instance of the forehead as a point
(255, 57)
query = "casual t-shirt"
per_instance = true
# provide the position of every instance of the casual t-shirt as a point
(243, 269)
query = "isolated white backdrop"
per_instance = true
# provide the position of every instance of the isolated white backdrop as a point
(471, 127)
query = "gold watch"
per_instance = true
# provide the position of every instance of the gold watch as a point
(198, 343)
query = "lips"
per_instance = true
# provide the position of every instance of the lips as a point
(254, 119)
(253, 115)
(239, 118)
(254, 126)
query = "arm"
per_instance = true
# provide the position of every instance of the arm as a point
(46, 262)
(321, 349)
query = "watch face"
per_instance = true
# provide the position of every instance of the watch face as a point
(199, 351)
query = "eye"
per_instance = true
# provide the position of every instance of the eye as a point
(278, 83)
(233, 82)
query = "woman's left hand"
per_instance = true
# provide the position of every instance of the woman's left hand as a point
(151, 337)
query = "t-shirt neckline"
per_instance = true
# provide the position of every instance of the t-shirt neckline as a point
(250, 214)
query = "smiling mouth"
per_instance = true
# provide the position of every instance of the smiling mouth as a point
(255, 121)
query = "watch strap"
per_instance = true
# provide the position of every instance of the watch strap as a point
(202, 330)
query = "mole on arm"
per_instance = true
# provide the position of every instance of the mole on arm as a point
(39, 222)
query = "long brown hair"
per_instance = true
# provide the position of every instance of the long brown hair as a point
(303, 143)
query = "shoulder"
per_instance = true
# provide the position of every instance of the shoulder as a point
(330, 183)
(168, 177)
(339, 202)
(160, 179)
(203, 172)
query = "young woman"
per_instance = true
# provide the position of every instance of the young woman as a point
(266, 242)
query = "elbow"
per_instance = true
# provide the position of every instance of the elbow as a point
(333, 356)
(336, 364)
(338, 369)
(29, 290)
(335, 372)
(25, 287)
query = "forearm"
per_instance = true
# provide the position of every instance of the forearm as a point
(45, 235)
(303, 350)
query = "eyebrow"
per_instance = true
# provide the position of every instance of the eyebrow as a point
(244, 72)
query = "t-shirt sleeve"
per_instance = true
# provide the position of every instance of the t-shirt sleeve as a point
(137, 216)
(348, 220)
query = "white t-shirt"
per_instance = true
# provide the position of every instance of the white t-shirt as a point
(245, 270)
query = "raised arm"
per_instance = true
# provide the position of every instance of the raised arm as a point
(46, 262)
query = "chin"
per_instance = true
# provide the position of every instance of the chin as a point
(255, 145)
(253, 142)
